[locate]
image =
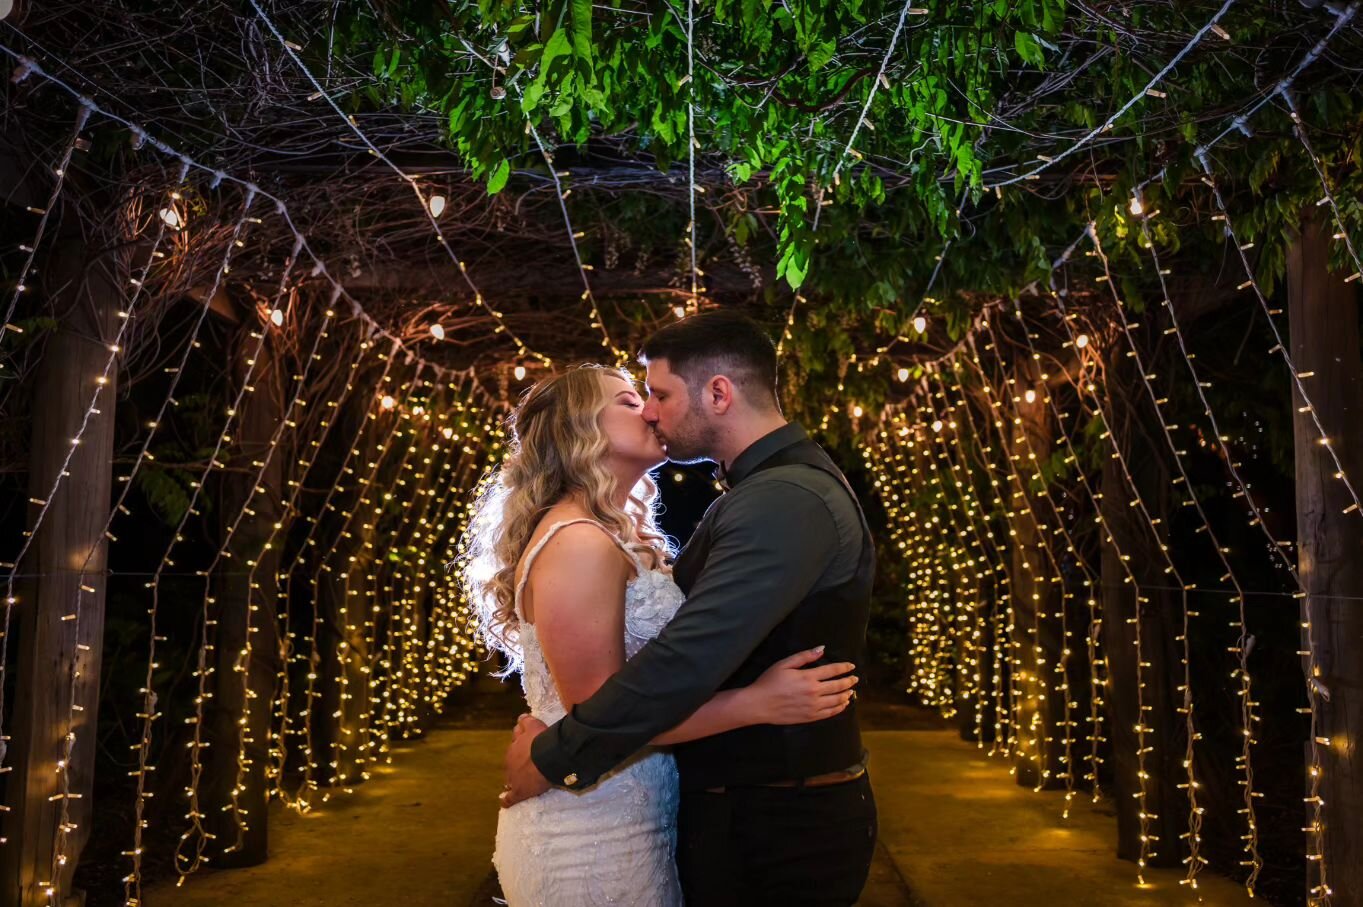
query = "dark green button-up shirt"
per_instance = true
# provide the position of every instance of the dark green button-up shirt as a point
(777, 536)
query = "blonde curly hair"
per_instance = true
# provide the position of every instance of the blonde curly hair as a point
(555, 448)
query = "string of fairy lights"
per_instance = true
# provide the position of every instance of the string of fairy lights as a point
(450, 657)
(980, 566)
(425, 201)
(149, 710)
(44, 213)
(1161, 543)
(1150, 90)
(284, 574)
(425, 439)
(931, 545)
(848, 151)
(1024, 449)
(598, 320)
(65, 826)
(100, 384)
(693, 304)
(380, 702)
(1241, 672)
(279, 750)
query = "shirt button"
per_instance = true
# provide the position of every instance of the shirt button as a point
(570, 780)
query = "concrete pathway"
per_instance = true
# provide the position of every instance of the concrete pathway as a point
(955, 832)
(417, 834)
(962, 833)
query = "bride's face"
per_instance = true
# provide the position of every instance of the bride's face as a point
(632, 440)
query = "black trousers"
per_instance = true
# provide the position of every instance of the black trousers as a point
(776, 845)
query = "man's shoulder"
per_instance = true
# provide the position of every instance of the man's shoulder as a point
(795, 487)
(801, 475)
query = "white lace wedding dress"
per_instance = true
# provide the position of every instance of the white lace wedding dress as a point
(615, 842)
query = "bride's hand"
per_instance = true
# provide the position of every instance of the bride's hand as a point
(789, 693)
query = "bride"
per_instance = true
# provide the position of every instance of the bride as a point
(567, 573)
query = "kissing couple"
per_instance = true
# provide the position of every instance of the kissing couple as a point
(692, 735)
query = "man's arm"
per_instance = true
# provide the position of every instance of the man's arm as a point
(771, 544)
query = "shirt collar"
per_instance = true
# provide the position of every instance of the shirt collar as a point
(759, 452)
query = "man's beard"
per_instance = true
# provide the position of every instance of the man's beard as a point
(691, 443)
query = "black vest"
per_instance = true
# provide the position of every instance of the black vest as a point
(836, 618)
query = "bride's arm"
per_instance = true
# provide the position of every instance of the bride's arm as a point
(577, 596)
(786, 693)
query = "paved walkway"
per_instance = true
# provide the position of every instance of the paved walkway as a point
(963, 833)
(955, 832)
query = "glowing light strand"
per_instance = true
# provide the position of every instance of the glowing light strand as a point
(1089, 580)
(1107, 124)
(64, 826)
(1242, 642)
(1195, 811)
(82, 118)
(219, 176)
(321, 92)
(132, 883)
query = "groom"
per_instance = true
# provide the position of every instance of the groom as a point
(782, 562)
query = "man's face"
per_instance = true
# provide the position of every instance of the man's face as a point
(683, 429)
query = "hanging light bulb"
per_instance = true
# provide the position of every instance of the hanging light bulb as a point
(447, 432)
(519, 372)
(277, 316)
(936, 424)
(679, 311)
(902, 374)
(438, 331)
(388, 402)
(1081, 341)
(857, 411)
(1136, 207)
(436, 203)
(1029, 395)
(171, 218)
(920, 324)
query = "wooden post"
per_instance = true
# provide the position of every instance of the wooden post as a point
(86, 294)
(242, 611)
(1323, 320)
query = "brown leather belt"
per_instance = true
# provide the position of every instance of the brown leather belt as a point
(824, 780)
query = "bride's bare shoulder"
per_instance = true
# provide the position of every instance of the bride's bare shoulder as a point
(570, 542)
(579, 566)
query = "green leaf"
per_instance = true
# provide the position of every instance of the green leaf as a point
(531, 98)
(557, 47)
(756, 22)
(797, 268)
(820, 53)
(582, 30)
(662, 125)
(1029, 49)
(497, 181)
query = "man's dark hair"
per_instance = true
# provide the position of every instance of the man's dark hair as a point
(720, 342)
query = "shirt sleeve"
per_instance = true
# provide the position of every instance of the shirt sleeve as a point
(771, 543)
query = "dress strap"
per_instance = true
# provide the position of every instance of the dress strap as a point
(534, 553)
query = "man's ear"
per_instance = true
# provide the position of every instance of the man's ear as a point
(719, 394)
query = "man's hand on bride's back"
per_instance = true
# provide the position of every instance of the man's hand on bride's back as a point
(788, 692)
(523, 779)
